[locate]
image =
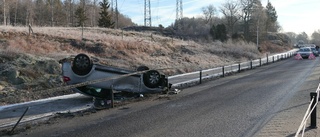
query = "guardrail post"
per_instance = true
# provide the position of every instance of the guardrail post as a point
(267, 58)
(251, 64)
(222, 71)
(112, 98)
(272, 59)
(200, 81)
(313, 95)
(239, 67)
(260, 62)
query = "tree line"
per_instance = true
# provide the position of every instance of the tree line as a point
(304, 38)
(66, 13)
(236, 19)
(245, 19)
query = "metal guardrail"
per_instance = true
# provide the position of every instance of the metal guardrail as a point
(193, 77)
(310, 113)
(197, 77)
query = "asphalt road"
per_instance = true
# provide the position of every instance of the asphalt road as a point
(235, 106)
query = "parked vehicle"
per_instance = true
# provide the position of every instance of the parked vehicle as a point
(315, 51)
(305, 52)
(81, 69)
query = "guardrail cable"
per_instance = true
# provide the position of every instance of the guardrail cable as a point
(304, 120)
(308, 113)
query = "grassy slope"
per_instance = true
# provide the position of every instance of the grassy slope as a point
(32, 59)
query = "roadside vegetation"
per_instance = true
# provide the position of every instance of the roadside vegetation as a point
(29, 63)
(33, 43)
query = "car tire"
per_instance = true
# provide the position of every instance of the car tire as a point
(142, 68)
(82, 64)
(100, 104)
(152, 79)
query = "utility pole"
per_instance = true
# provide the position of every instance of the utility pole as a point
(147, 13)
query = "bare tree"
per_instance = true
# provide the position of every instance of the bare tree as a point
(248, 7)
(69, 12)
(50, 12)
(4, 13)
(292, 36)
(258, 23)
(303, 37)
(315, 37)
(209, 13)
(94, 13)
(231, 11)
(51, 6)
(15, 12)
(40, 12)
(29, 13)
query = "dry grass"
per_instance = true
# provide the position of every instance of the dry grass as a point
(270, 47)
(126, 49)
(34, 57)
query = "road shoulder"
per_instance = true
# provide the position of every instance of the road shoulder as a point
(286, 121)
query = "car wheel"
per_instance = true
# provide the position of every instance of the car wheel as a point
(152, 79)
(142, 68)
(82, 64)
(100, 103)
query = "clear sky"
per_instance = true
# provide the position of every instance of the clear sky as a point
(293, 15)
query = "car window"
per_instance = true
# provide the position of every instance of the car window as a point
(306, 49)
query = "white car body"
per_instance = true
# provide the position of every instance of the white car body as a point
(151, 81)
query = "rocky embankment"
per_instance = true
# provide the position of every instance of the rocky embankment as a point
(23, 75)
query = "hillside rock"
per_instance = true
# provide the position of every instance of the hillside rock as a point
(279, 39)
(23, 73)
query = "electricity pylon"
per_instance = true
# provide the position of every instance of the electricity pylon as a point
(147, 13)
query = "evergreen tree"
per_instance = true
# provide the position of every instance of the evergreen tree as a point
(271, 12)
(105, 19)
(221, 32)
(80, 16)
(212, 32)
(271, 18)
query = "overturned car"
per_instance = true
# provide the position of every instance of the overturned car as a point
(82, 68)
